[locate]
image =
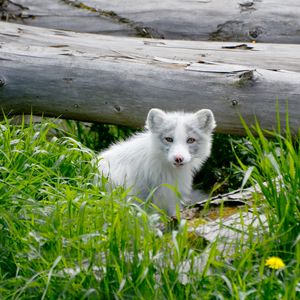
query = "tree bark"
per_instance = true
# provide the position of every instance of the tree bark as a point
(117, 80)
(220, 20)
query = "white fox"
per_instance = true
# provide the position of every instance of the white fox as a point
(173, 146)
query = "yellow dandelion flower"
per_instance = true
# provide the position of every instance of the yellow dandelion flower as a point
(275, 263)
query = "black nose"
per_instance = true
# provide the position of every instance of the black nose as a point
(178, 159)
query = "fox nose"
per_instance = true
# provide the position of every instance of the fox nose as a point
(179, 159)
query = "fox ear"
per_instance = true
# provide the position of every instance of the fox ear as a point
(155, 119)
(206, 120)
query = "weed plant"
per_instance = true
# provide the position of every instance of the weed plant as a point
(63, 237)
(276, 171)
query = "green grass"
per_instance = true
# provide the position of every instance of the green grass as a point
(62, 237)
(276, 170)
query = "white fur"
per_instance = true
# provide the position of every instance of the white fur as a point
(147, 160)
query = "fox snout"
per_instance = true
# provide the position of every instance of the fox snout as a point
(179, 156)
(178, 160)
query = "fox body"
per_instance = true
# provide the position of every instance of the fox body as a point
(173, 146)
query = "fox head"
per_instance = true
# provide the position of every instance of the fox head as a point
(183, 138)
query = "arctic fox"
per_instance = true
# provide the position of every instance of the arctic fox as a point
(173, 146)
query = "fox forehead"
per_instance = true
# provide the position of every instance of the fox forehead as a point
(176, 116)
(180, 132)
(179, 125)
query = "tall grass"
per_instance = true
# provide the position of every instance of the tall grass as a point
(276, 170)
(62, 237)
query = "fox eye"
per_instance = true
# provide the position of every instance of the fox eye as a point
(169, 139)
(190, 140)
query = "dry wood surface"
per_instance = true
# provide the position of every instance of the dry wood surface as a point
(117, 80)
(220, 20)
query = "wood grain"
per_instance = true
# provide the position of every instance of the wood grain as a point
(117, 80)
(269, 21)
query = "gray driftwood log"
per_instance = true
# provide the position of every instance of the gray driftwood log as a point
(117, 80)
(239, 20)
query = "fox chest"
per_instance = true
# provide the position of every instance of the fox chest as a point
(147, 181)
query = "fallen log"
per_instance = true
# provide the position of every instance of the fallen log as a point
(117, 80)
(239, 20)
(58, 14)
(232, 20)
